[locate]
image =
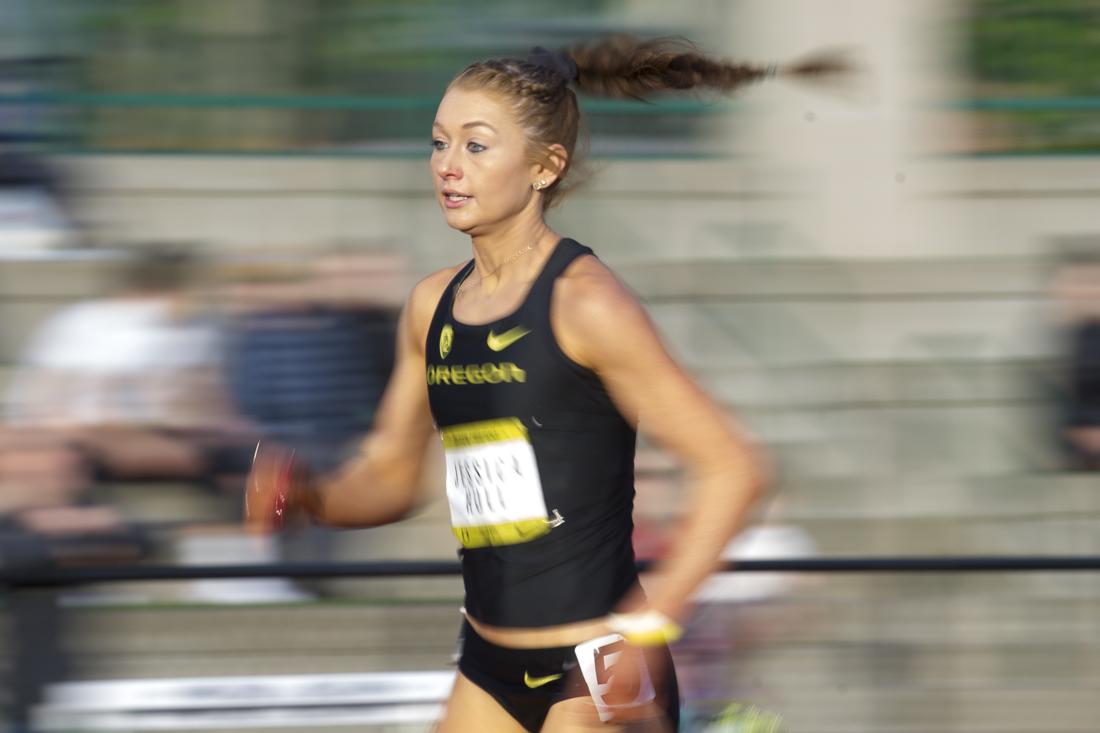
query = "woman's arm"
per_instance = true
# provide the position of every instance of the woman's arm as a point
(380, 485)
(600, 324)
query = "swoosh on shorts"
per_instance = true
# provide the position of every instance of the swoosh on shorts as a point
(534, 682)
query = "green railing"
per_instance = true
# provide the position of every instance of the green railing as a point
(326, 102)
(1028, 104)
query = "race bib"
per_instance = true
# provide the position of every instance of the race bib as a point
(493, 484)
(597, 659)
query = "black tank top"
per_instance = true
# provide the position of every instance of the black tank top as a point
(540, 464)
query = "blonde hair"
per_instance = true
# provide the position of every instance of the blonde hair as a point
(624, 67)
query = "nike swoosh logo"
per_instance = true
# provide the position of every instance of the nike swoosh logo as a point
(503, 341)
(534, 682)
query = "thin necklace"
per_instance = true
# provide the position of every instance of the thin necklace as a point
(515, 255)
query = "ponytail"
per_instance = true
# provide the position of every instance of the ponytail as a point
(541, 86)
(625, 67)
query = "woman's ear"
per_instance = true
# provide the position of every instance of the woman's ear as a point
(553, 161)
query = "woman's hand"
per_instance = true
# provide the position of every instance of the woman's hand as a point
(633, 672)
(276, 488)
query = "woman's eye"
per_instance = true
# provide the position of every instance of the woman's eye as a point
(438, 145)
(475, 147)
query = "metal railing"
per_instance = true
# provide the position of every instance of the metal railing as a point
(53, 577)
(378, 698)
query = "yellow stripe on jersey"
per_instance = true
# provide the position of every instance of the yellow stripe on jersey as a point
(509, 533)
(483, 433)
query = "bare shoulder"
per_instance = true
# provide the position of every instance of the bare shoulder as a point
(424, 298)
(593, 310)
(589, 285)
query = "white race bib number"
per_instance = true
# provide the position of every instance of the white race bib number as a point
(493, 485)
(597, 659)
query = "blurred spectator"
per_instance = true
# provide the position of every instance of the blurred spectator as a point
(33, 216)
(132, 378)
(309, 358)
(46, 520)
(133, 383)
(1077, 292)
(308, 363)
(89, 363)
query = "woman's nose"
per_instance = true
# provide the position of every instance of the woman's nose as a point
(447, 166)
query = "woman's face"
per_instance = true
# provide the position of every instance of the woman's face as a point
(482, 172)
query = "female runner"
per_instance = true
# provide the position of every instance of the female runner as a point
(536, 365)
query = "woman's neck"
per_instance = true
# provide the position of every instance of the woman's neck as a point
(495, 253)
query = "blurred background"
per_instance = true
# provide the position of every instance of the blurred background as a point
(210, 212)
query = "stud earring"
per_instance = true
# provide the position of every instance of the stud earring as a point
(539, 186)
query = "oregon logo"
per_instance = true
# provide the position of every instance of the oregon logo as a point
(459, 374)
(446, 339)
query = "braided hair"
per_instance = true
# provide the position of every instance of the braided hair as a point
(540, 88)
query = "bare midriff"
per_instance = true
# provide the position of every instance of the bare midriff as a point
(543, 636)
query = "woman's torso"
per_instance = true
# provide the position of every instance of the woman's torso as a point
(539, 467)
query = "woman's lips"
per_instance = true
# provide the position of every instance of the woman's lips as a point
(455, 201)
